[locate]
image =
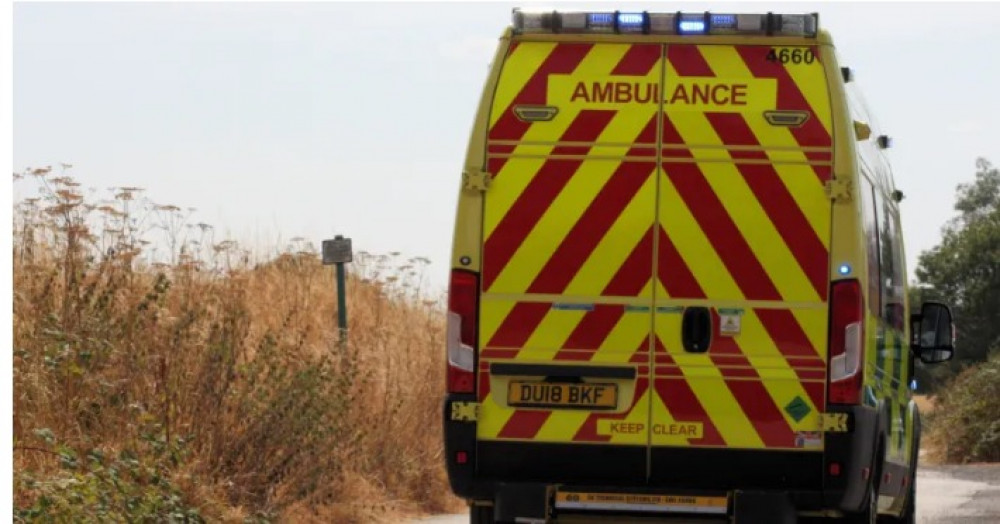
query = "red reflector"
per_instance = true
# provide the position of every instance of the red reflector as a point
(461, 381)
(461, 457)
(865, 473)
(835, 469)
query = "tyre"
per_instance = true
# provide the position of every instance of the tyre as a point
(480, 514)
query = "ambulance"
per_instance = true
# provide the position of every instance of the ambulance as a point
(677, 285)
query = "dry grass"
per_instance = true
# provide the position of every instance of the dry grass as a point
(210, 382)
(925, 403)
(930, 449)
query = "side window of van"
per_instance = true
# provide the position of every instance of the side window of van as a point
(870, 224)
(898, 275)
(890, 262)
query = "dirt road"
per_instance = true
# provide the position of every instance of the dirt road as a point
(947, 495)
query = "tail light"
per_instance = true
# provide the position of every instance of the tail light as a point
(462, 300)
(847, 338)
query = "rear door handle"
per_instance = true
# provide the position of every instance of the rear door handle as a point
(696, 329)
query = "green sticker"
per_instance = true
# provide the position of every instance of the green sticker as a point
(730, 311)
(637, 309)
(797, 409)
(670, 309)
(572, 307)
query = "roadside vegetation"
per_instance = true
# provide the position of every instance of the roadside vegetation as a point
(161, 373)
(963, 270)
(966, 417)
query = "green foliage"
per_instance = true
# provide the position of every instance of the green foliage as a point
(965, 423)
(131, 486)
(964, 272)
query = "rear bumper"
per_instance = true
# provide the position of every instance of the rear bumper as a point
(493, 467)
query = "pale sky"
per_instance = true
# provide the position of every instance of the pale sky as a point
(285, 120)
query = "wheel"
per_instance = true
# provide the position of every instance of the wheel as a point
(480, 514)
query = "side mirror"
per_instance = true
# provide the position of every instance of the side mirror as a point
(933, 333)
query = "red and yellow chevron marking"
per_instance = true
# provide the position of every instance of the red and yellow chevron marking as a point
(597, 218)
(590, 163)
(739, 392)
(569, 219)
(745, 220)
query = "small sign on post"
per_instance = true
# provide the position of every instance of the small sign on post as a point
(338, 252)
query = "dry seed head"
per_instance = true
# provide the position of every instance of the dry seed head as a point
(68, 195)
(225, 245)
(60, 209)
(65, 181)
(111, 211)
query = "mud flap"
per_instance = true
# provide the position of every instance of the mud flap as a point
(751, 507)
(520, 503)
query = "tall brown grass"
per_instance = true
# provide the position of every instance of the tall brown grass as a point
(158, 370)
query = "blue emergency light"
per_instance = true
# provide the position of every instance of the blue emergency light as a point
(631, 21)
(691, 27)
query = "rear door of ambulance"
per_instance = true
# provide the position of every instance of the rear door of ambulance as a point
(567, 276)
(655, 265)
(742, 273)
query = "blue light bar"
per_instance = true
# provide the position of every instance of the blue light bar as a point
(601, 22)
(632, 23)
(600, 19)
(726, 21)
(612, 22)
(630, 19)
(691, 26)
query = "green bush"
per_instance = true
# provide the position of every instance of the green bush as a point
(131, 486)
(965, 423)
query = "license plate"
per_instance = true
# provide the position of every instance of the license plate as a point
(642, 502)
(562, 395)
